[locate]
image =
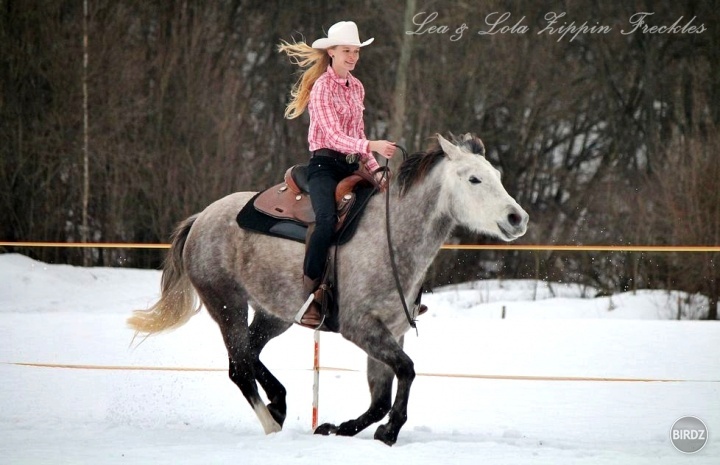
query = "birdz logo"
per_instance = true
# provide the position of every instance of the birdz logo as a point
(689, 435)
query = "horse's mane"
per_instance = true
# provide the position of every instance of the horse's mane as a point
(416, 166)
(419, 164)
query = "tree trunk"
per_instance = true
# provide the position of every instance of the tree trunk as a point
(397, 119)
(84, 230)
(714, 298)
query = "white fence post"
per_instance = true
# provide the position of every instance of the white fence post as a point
(316, 379)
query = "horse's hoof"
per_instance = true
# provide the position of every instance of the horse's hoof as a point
(384, 434)
(326, 429)
(277, 413)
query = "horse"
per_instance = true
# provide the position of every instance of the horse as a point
(229, 268)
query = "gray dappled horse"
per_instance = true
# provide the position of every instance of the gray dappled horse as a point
(229, 268)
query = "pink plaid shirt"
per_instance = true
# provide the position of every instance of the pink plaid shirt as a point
(336, 117)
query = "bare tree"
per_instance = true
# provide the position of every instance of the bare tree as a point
(187, 105)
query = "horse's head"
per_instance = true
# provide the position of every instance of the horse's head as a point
(476, 196)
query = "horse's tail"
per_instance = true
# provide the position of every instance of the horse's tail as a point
(178, 301)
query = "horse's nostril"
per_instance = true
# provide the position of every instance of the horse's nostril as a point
(514, 219)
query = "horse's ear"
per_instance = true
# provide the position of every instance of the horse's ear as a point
(447, 146)
(474, 144)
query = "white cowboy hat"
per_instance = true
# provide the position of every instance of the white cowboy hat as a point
(342, 33)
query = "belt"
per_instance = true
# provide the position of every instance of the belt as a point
(348, 158)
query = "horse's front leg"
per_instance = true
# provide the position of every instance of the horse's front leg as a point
(378, 342)
(404, 369)
(380, 378)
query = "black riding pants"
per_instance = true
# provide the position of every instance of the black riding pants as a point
(324, 174)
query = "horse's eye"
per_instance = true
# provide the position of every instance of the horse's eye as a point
(474, 180)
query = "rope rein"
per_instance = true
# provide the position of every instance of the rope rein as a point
(391, 250)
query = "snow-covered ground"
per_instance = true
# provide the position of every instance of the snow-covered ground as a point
(564, 378)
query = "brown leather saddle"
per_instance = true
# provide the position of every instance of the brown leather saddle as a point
(290, 200)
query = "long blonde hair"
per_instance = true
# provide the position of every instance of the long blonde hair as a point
(314, 62)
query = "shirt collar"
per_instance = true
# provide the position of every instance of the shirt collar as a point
(337, 79)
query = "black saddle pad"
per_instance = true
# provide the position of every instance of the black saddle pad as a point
(252, 220)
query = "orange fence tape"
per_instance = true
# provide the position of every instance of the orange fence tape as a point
(604, 379)
(521, 247)
(93, 245)
(587, 248)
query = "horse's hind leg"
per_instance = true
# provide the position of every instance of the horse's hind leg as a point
(228, 306)
(264, 327)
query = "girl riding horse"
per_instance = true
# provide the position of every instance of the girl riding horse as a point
(334, 99)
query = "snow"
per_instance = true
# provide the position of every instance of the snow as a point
(564, 378)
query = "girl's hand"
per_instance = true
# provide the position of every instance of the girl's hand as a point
(383, 147)
(382, 179)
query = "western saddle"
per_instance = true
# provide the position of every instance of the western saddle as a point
(290, 200)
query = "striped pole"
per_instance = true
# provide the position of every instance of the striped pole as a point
(316, 379)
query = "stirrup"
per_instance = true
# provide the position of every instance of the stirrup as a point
(303, 309)
(301, 313)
